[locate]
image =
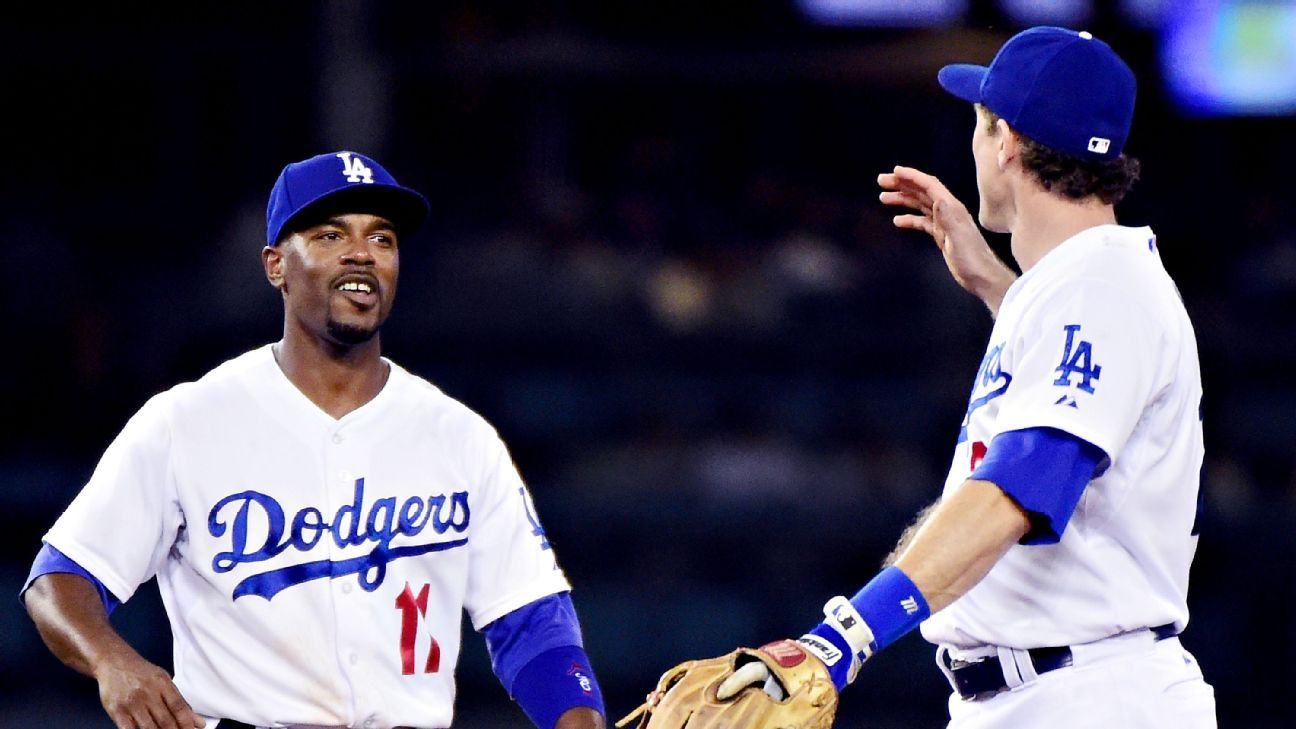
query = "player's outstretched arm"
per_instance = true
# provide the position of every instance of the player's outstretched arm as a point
(939, 214)
(949, 552)
(72, 621)
(1023, 492)
(962, 538)
(952, 549)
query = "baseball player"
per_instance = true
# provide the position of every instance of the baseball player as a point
(1053, 572)
(317, 517)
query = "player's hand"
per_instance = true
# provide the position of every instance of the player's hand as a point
(939, 214)
(139, 695)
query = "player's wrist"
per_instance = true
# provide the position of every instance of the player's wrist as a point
(843, 641)
(992, 283)
(884, 610)
(109, 656)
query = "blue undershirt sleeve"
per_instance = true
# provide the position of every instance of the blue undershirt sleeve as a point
(1045, 470)
(49, 560)
(538, 655)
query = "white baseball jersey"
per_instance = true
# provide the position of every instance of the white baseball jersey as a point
(314, 570)
(1093, 340)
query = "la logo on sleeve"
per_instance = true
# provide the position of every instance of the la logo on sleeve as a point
(1077, 359)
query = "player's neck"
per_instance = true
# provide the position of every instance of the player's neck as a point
(337, 379)
(1044, 221)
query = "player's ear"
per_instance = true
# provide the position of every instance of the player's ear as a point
(272, 259)
(1009, 143)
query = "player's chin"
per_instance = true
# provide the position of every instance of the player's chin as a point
(351, 333)
(990, 221)
(344, 316)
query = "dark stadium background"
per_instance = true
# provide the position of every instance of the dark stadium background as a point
(657, 263)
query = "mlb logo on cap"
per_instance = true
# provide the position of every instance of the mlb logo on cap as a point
(1066, 90)
(340, 179)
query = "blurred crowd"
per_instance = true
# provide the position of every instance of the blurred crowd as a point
(729, 380)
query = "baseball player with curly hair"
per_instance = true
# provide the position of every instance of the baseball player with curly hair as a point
(317, 518)
(1053, 572)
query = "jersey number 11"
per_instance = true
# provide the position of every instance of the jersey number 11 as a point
(414, 610)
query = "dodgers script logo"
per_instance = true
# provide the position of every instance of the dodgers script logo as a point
(991, 381)
(352, 525)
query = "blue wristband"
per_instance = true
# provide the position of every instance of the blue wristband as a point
(891, 605)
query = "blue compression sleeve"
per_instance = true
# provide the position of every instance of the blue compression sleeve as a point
(536, 652)
(1045, 470)
(49, 560)
(554, 682)
(517, 638)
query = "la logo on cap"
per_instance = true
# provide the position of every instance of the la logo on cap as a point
(355, 170)
(1099, 145)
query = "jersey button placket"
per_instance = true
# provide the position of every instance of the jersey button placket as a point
(345, 485)
(340, 477)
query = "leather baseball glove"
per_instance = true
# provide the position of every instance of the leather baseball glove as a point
(779, 686)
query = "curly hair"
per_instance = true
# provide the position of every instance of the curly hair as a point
(1076, 178)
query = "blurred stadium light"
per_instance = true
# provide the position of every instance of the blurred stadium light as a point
(1231, 58)
(885, 13)
(1070, 13)
(1144, 13)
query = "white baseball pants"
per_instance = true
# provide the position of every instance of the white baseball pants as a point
(1130, 681)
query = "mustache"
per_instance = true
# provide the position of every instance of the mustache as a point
(356, 276)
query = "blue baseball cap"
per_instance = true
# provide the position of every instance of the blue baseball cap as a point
(1066, 90)
(340, 177)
